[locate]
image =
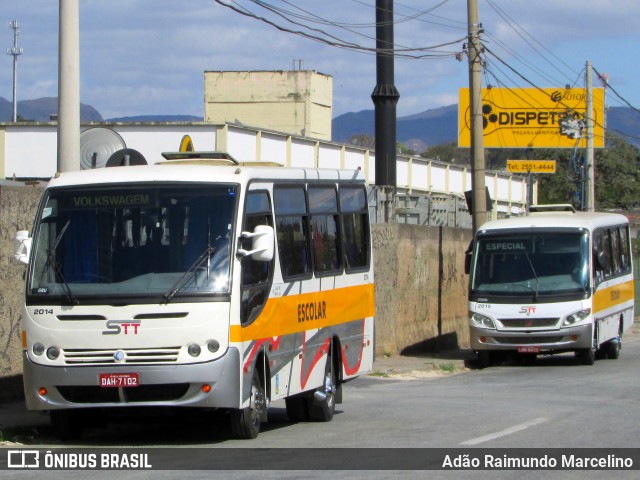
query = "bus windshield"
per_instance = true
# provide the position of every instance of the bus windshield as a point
(531, 264)
(166, 242)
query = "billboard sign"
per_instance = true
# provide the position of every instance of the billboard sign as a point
(532, 117)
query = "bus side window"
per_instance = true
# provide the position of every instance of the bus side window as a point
(256, 276)
(323, 206)
(625, 257)
(292, 230)
(616, 252)
(355, 227)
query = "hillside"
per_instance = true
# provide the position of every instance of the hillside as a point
(418, 132)
(41, 109)
(439, 125)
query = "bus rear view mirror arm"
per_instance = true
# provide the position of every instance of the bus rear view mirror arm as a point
(262, 239)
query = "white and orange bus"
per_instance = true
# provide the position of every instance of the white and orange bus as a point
(197, 282)
(554, 281)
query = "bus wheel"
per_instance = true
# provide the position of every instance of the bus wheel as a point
(323, 403)
(297, 410)
(245, 422)
(612, 348)
(586, 356)
(484, 358)
(66, 424)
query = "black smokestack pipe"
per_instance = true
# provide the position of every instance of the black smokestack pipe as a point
(385, 97)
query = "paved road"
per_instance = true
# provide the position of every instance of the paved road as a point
(554, 403)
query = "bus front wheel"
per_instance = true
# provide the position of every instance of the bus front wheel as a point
(66, 424)
(245, 422)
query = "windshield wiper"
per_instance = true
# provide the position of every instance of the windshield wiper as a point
(52, 261)
(535, 275)
(206, 255)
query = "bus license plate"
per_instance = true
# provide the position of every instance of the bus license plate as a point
(115, 380)
(528, 349)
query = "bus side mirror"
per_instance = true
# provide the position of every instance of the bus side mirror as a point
(601, 260)
(262, 240)
(467, 258)
(22, 246)
(467, 263)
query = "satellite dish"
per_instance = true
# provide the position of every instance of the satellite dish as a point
(126, 157)
(97, 145)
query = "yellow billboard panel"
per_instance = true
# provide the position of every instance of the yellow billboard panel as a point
(531, 117)
(531, 166)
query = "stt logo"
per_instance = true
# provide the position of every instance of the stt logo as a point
(527, 310)
(114, 327)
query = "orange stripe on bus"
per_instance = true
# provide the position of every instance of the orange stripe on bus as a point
(297, 313)
(612, 296)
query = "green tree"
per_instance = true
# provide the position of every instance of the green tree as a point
(448, 152)
(617, 175)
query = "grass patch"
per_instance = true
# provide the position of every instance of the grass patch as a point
(378, 373)
(24, 435)
(445, 367)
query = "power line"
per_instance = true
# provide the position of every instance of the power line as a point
(321, 36)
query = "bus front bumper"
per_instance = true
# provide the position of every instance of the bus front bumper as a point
(536, 341)
(50, 388)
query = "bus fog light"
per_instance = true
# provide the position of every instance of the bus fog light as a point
(194, 349)
(53, 353)
(42, 391)
(213, 346)
(38, 349)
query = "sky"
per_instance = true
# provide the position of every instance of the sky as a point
(148, 57)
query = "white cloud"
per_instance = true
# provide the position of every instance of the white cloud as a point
(148, 56)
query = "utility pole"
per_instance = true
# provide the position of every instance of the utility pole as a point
(479, 196)
(69, 87)
(385, 97)
(15, 51)
(590, 163)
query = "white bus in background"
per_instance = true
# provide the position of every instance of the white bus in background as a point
(551, 282)
(191, 284)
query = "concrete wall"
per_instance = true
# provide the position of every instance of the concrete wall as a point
(421, 288)
(17, 211)
(298, 102)
(28, 151)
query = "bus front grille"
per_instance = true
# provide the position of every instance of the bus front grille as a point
(526, 340)
(529, 322)
(143, 393)
(79, 356)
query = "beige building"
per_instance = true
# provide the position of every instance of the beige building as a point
(298, 102)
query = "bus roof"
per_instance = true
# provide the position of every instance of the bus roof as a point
(187, 172)
(587, 220)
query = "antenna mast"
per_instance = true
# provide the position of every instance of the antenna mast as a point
(15, 51)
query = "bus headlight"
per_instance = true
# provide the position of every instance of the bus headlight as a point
(482, 320)
(38, 349)
(53, 353)
(194, 349)
(576, 317)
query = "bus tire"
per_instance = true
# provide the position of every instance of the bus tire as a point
(612, 348)
(66, 424)
(586, 356)
(322, 404)
(297, 410)
(245, 422)
(485, 358)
